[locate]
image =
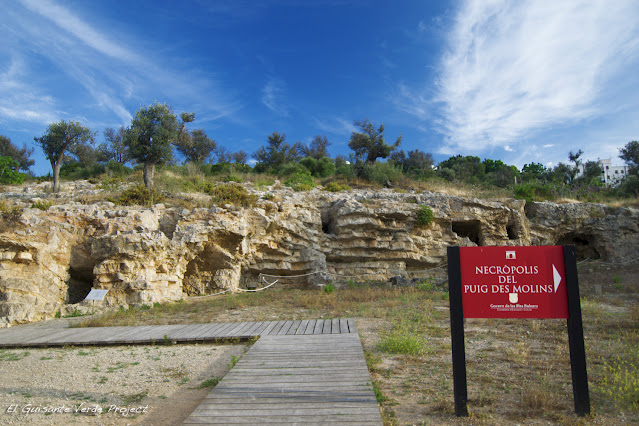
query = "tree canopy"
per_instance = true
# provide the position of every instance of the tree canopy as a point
(630, 154)
(150, 137)
(196, 146)
(59, 138)
(22, 156)
(275, 154)
(370, 143)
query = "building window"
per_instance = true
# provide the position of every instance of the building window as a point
(607, 167)
(616, 172)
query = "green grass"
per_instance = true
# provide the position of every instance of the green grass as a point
(210, 383)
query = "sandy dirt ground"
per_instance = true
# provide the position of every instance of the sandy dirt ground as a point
(119, 385)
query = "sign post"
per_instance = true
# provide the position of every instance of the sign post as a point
(515, 282)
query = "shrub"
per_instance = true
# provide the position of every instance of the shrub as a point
(138, 196)
(534, 191)
(381, 173)
(289, 169)
(301, 181)
(117, 169)
(9, 173)
(76, 171)
(233, 194)
(336, 187)
(42, 205)
(329, 288)
(9, 213)
(424, 216)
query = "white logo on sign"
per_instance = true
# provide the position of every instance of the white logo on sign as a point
(513, 297)
(511, 255)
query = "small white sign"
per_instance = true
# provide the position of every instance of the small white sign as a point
(96, 294)
(511, 255)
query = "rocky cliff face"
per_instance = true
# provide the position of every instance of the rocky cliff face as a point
(49, 260)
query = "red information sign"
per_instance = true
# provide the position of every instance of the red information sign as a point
(513, 282)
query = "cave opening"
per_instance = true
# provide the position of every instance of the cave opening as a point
(328, 222)
(583, 243)
(512, 232)
(81, 275)
(468, 229)
(79, 285)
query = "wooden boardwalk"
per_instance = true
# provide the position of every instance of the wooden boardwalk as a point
(43, 336)
(298, 372)
(295, 379)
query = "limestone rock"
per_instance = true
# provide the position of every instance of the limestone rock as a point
(49, 260)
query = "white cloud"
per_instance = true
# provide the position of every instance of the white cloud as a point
(273, 96)
(71, 65)
(549, 145)
(514, 68)
(67, 21)
(508, 148)
(335, 125)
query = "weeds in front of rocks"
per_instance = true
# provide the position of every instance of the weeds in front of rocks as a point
(137, 196)
(233, 194)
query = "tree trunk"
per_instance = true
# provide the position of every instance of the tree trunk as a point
(149, 168)
(56, 176)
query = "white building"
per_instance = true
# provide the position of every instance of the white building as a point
(610, 175)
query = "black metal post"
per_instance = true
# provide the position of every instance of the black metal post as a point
(457, 332)
(576, 335)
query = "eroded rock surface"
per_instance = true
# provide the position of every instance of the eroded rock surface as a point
(49, 260)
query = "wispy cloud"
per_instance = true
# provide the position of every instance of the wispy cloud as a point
(274, 96)
(335, 125)
(72, 66)
(67, 21)
(514, 68)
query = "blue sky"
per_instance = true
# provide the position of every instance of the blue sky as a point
(518, 81)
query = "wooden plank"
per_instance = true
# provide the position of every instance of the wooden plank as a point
(264, 325)
(319, 325)
(327, 327)
(251, 332)
(269, 329)
(193, 332)
(294, 327)
(335, 326)
(276, 328)
(302, 327)
(343, 326)
(310, 327)
(210, 332)
(285, 328)
(352, 327)
(239, 330)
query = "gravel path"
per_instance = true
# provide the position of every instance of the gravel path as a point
(117, 385)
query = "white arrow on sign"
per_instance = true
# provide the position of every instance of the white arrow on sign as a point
(556, 277)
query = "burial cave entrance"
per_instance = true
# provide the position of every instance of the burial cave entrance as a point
(80, 274)
(79, 284)
(468, 229)
(328, 221)
(584, 245)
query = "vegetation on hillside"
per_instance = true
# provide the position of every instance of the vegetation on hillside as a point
(156, 132)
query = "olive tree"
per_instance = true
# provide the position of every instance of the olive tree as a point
(370, 143)
(195, 146)
(149, 139)
(59, 138)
